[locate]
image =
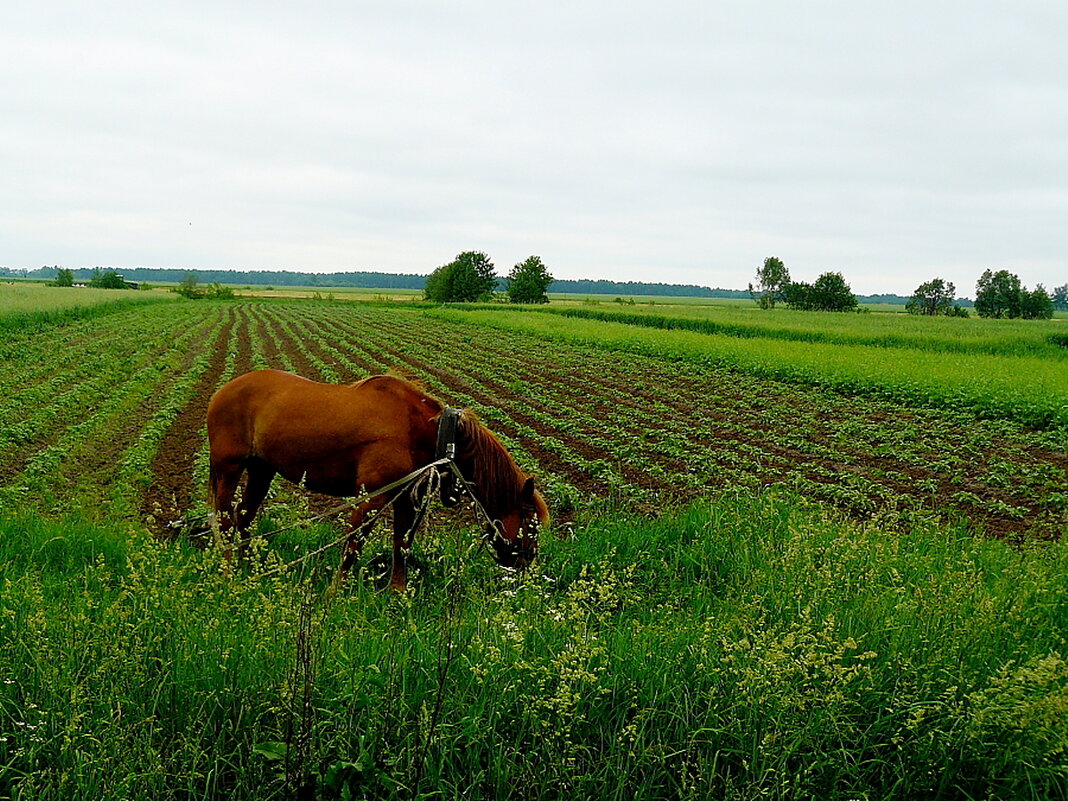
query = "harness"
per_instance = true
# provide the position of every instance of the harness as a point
(420, 482)
(447, 422)
(445, 450)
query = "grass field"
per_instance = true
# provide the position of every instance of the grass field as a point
(29, 304)
(1043, 338)
(759, 583)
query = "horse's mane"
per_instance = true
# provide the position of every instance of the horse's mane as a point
(493, 470)
(485, 461)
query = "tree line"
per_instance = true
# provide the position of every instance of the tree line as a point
(376, 280)
(997, 294)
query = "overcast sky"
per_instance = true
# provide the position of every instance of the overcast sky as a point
(669, 141)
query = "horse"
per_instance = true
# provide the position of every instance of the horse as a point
(345, 439)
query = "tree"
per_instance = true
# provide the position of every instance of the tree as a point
(797, 295)
(1060, 298)
(830, 292)
(933, 297)
(528, 281)
(467, 278)
(64, 277)
(1036, 305)
(772, 279)
(108, 279)
(998, 294)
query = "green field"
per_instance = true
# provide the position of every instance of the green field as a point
(1001, 337)
(781, 566)
(1020, 375)
(20, 297)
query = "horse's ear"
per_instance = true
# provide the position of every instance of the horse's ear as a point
(527, 495)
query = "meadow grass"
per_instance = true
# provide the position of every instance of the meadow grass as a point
(744, 647)
(24, 296)
(344, 293)
(1030, 390)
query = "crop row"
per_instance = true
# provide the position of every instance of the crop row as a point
(90, 425)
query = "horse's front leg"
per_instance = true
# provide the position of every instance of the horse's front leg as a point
(359, 531)
(405, 522)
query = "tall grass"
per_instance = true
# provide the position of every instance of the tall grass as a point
(746, 647)
(35, 307)
(1030, 390)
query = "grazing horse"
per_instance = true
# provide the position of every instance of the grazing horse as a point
(344, 440)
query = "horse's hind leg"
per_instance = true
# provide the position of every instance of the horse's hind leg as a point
(260, 475)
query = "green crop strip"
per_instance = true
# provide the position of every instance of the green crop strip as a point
(20, 321)
(1030, 390)
(1041, 339)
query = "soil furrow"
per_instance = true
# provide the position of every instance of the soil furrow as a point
(170, 493)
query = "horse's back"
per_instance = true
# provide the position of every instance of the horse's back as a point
(281, 417)
(234, 407)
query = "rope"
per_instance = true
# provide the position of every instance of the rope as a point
(366, 496)
(412, 478)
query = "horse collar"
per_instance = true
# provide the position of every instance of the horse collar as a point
(446, 447)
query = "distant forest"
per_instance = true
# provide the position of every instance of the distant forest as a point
(372, 280)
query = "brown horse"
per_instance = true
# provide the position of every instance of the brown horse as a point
(343, 440)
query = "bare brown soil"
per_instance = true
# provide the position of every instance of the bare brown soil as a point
(169, 495)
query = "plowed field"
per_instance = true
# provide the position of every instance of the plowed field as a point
(110, 419)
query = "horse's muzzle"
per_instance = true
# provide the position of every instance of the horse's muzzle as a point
(514, 554)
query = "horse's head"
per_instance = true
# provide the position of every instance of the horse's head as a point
(505, 492)
(513, 536)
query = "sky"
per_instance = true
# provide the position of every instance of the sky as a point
(674, 141)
